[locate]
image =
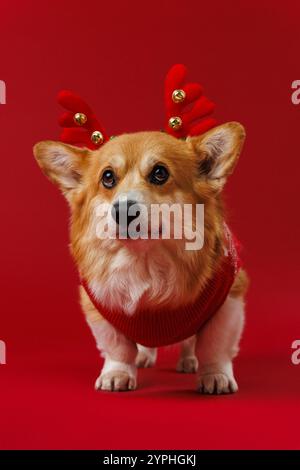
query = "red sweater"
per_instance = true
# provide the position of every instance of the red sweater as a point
(167, 326)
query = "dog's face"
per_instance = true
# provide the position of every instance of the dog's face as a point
(143, 169)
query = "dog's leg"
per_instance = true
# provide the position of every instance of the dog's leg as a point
(119, 370)
(216, 346)
(146, 357)
(188, 362)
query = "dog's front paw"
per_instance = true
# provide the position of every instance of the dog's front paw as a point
(216, 383)
(115, 381)
(187, 365)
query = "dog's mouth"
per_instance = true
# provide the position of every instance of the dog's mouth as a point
(138, 235)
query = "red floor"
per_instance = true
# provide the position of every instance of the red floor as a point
(49, 403)
(47, 400)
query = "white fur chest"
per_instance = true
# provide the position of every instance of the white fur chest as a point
(152, 278)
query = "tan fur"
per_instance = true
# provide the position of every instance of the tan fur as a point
(240, 285)
(92, 314)
(180, 157)
(198, 170)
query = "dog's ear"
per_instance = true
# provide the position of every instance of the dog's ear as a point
(63, 164)
(217, 151)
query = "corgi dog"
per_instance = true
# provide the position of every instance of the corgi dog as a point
(156, 276)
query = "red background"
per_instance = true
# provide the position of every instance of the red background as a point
(246, 54)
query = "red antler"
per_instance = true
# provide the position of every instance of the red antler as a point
(180, 120)
(80, 124)
(187, 112)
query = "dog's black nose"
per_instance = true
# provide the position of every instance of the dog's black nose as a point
(121, 213)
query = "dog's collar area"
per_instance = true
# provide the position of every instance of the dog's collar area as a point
(165, 326)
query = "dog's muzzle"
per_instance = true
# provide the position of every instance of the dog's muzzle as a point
(124, 212)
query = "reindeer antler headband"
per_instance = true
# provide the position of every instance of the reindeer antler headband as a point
(187, 112)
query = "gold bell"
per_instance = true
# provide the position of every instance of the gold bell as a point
(175, 123)
(80, 119)
(97, 138)
(178, 96)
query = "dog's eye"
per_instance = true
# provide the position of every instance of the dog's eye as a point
(159, 175)
(108, 179)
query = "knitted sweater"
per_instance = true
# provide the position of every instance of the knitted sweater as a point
(165, 326)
